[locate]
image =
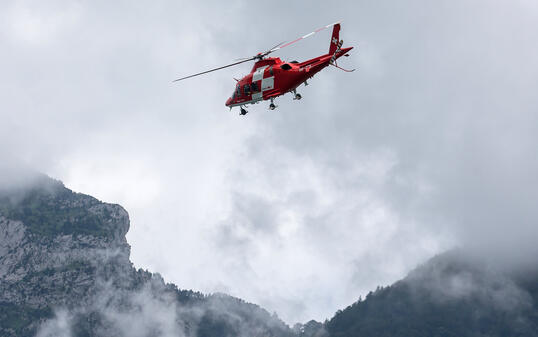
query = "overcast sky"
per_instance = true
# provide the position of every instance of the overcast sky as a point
(430, 144)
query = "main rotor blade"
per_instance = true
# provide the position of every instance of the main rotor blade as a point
(243, 59)
(277, 47)
(208, 71)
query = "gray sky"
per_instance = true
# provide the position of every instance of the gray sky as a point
(431, 143)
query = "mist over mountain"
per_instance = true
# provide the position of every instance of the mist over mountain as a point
(65, 271)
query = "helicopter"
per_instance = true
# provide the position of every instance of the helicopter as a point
(271, 77)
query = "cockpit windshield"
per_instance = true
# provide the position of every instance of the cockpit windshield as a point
(237, 92)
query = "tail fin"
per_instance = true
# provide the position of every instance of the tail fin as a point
(335, 39)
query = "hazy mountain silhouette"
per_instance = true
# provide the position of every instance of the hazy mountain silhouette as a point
(453, 294)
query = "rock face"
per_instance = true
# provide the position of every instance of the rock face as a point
(65, 271)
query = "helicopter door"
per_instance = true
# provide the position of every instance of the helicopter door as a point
(268, 83)
(256, 92)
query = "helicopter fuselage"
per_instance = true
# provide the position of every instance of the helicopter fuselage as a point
(271, 77)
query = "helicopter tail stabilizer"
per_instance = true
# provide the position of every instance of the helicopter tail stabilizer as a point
(335, 39)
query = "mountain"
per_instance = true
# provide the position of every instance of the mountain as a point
(452, 295)
(65, 271)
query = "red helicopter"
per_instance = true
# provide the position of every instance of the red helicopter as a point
(271, 77)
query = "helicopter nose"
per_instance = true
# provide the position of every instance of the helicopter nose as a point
(229, 101)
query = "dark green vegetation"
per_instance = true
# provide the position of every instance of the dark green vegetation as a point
(445, 298)
(17, 318)
(48, 208)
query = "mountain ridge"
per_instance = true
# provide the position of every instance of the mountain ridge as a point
(450, 295)
(65, 270)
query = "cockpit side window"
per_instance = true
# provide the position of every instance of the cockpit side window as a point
(271, 70)
(246, 89)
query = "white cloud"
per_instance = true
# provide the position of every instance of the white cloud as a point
(59, 326)
(35, 24)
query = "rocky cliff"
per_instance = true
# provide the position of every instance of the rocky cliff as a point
(65, 271)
